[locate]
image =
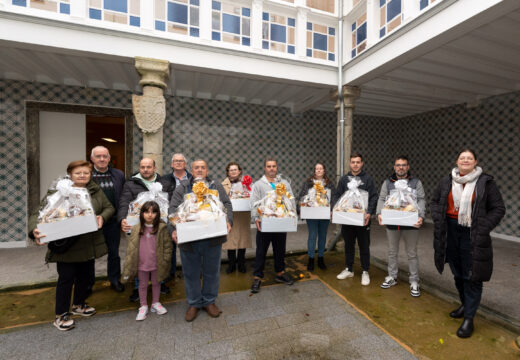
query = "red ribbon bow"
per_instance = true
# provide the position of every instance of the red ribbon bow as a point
(246, 180)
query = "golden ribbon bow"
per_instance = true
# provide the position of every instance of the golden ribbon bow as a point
(280, 191)
(200, 190)
(320, 190)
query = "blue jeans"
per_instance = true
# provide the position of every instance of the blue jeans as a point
(204, 259)
(317, 228)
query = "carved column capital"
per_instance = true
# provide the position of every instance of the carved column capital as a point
(153, 72)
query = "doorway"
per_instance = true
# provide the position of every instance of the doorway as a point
(107, 131)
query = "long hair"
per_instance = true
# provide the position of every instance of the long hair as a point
(325, 177)
(156, 210)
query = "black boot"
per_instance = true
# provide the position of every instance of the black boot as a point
(458, 313)
(241, 261)
(232, 261)
(310, 264)
(466, 329)
(321, 263)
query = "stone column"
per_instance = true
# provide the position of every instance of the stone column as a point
(150, 108)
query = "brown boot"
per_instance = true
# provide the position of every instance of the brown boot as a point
(191, 313)
(213, 310)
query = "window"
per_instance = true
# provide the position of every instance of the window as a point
(278, 33)
(323, 5)
(59, 6)
(177, 16)
(359, 35)
(230, 23)
(425, 3)
(320, 41)
(390, 16)
(119, 11)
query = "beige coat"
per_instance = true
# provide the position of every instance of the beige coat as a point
(164, 253)
(240, 235)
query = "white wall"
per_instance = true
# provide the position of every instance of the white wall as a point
(62, 140)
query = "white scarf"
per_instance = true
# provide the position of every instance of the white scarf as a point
(462, 195)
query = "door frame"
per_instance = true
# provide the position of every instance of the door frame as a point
(32, 136)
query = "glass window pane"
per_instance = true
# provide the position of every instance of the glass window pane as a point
(246, 27)
(116, 5)
(393, 9)
(320, 41)
(194, 16)
(361, 33)
(265, 31)
(215, 21)
(231, 23)
(290, 35)
(278, 33)
(159, 10)
(177, 13)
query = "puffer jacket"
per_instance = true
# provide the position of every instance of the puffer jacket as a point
(88, 246)
(164, 248)
(488, 210)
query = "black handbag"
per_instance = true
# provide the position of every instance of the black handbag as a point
(61, 246)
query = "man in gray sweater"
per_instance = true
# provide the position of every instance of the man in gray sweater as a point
(410, 234)
(263, 239)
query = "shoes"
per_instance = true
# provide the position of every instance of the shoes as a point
(83, 310)
(213, 310)
(117, 287)
(466, 329)
(365, 278)
(284, 279)
(135, 296)
(414, 290)
(458, 313)
(191, 313)
(165, 290)
(321, 263)
(141, 314)
(158, 308)
(389, 282)
(310, 264)
(256, 286)
(63, 322)
(345, 274)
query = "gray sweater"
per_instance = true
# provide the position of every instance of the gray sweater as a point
(260, 189)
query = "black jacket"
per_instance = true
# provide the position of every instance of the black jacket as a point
(307, 185)
(368, 185)
(168, 183)
(131, 189)
(488, 210)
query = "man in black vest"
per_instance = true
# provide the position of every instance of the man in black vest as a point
(111, 182)
(410, 234)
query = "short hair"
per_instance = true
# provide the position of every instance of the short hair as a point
(99, 147)
(147, 158)
(78, 163)
(194, 161)
(231, 164)
(270, 158)
(467, 150)
(355, 155)
(179, 154)
(402, 157)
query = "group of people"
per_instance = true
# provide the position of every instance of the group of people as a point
(465, 208)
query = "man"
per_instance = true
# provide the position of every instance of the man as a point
(408, 233)
(351, 232)
(201, 257)
(111, 182)
(169, 183)
(260, 188)
(137, 184)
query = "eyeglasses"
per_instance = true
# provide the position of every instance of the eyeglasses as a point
(401, 165)
(177, 161)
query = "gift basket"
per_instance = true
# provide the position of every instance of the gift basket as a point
(240, 194)
(67, 212)
(316, 204)
(154, 193)
(352, 205)
(400, 206)
(277, 210)
(201, 215)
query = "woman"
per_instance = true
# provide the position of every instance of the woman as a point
(465, 207)
(239, 239)
(75, 264)
(317, 228)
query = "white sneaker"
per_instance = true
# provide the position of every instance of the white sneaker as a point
(345, 274)
(389, 282)
(141, 314)
(158, 308)
(365, 278)
(414, 290)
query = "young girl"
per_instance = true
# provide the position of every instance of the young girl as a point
(149, 255)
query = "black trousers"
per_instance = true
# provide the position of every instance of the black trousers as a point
(262, 245)
(362, 234)
(72, 274)
(112, 233)
(458, 253)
